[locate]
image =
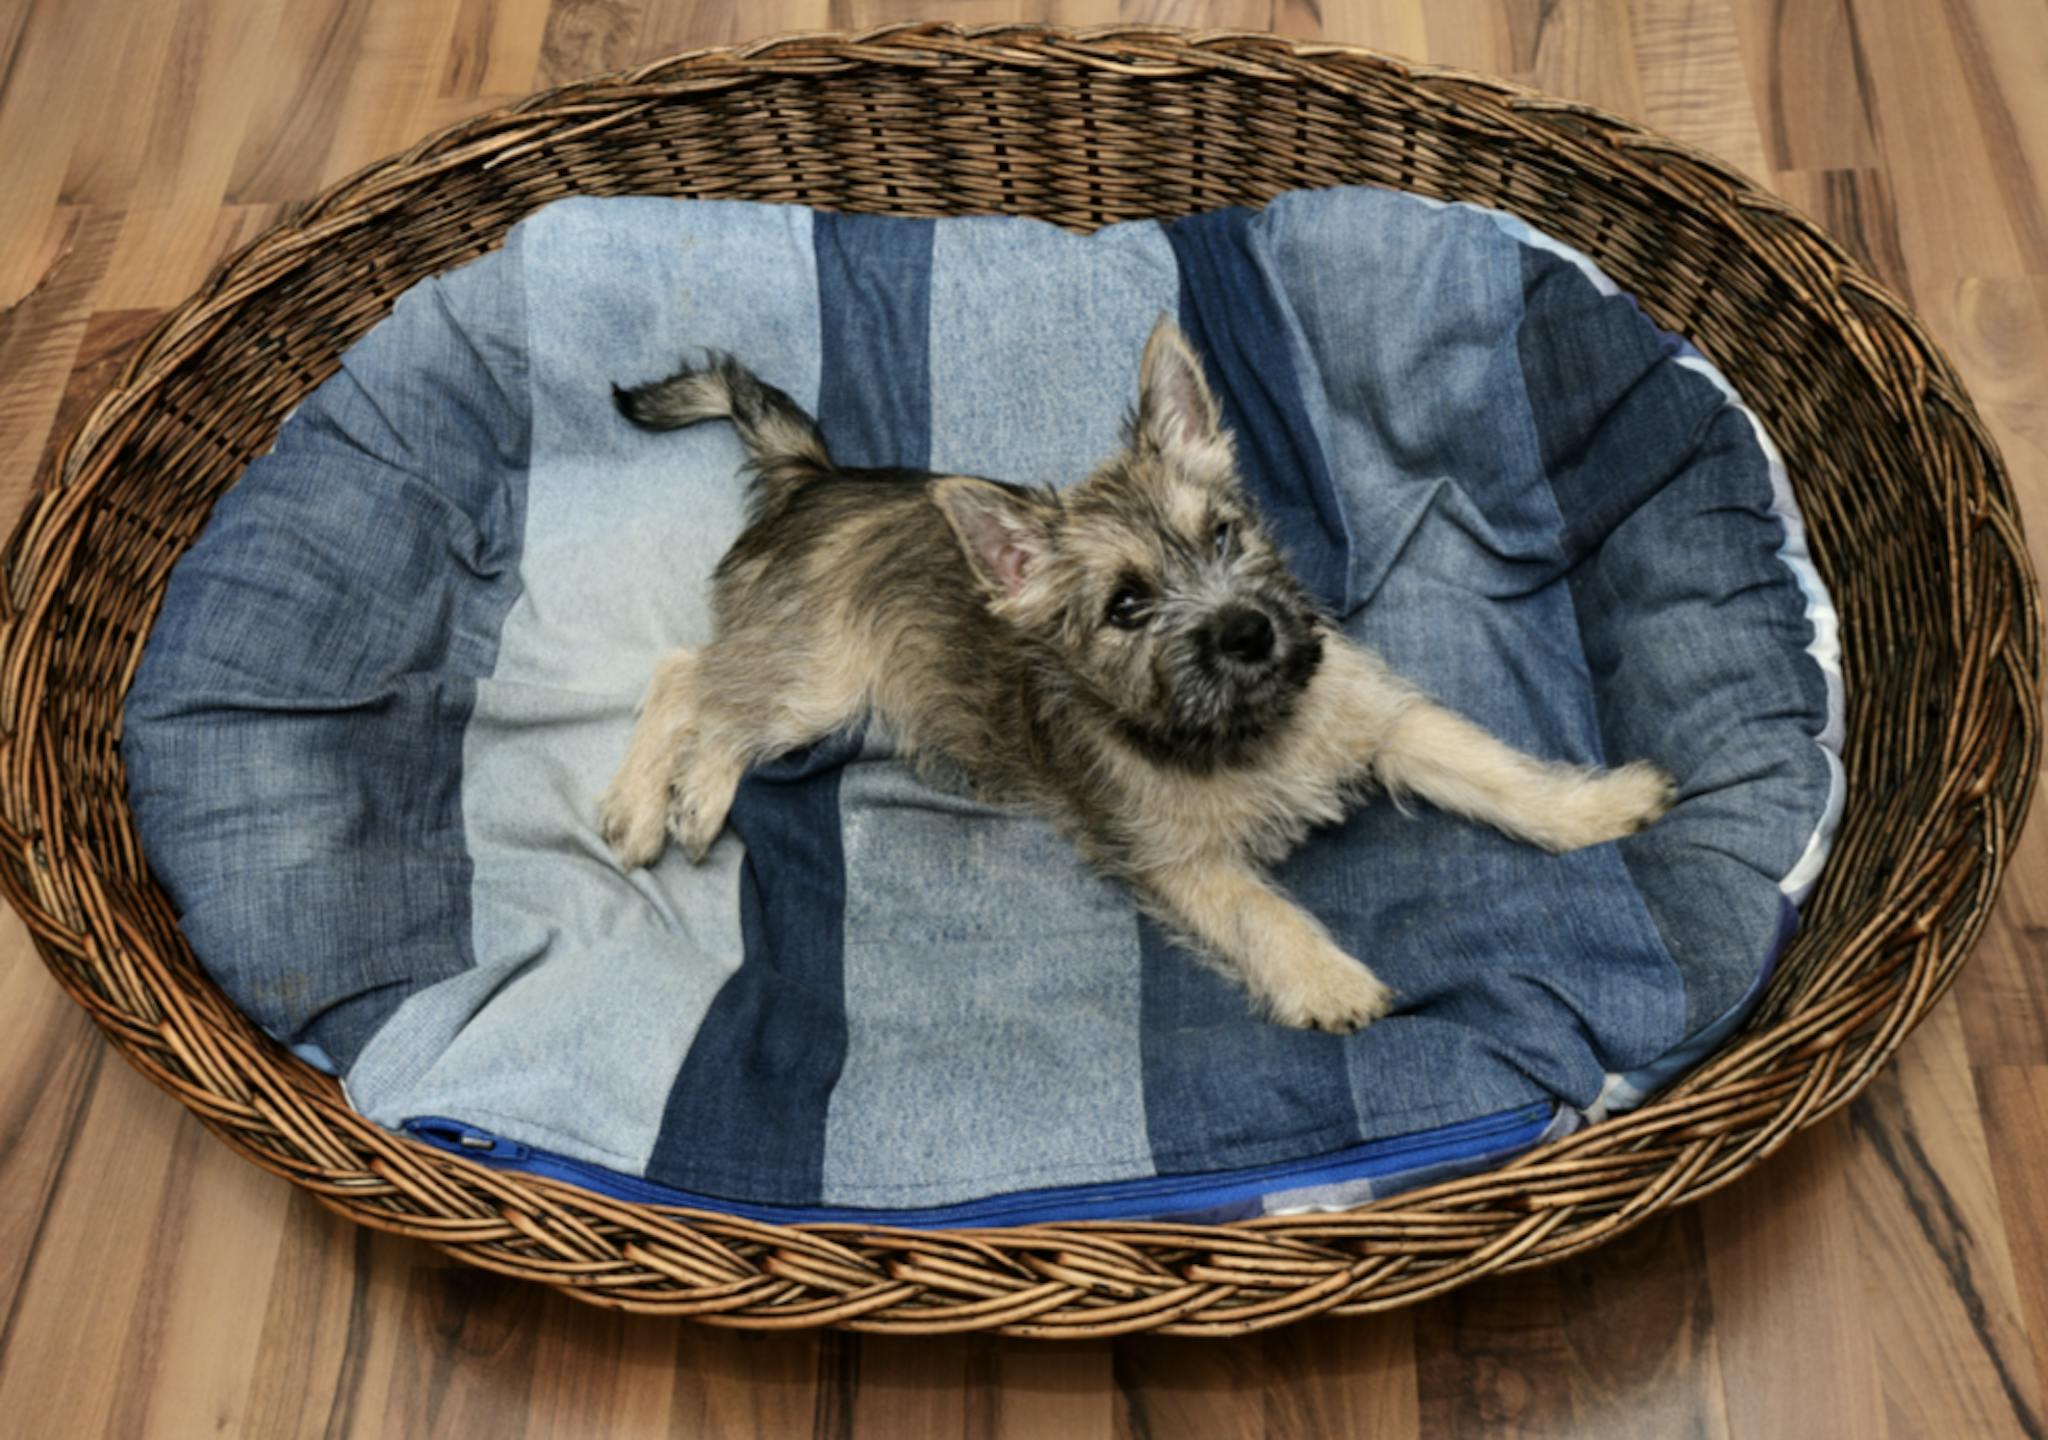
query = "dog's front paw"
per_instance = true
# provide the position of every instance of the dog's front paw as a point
(631, 820)
(1331, 992)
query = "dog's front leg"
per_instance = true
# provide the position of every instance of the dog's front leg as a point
(1288, 960)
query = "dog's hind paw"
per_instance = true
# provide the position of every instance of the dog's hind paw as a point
(1594, 806)
(700, 797)
(633, 825)
(1336, 993)
(1629, 799)
(1655, 793)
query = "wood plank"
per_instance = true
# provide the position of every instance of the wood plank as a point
(1952, 1355)
(192, 1351)
(2003, 48)
(47, 1074)
(1060, 1391)
(1949, 223)
(397, 79)
(669, 26)
(39, 342)
(1694, 87)
(177, 228)
(1791, 1319)
(1584, 49)
(2014, 1102)
(1399, 27)
(1168, 1389)
(603, 1372)
(307, 78)
(1619, 1342)
(113, 145)
(88, 1308)
(916, 1388)
(1810, 81)
(13, 26)
(729, 1383)
(494, 48)
(330, 1335)
(165, 256)
(465, 1359)
(1351, 1376)
(1203, 14)
(49, 95)
(2002, 994)
(1474, 35)
(586, 37)
(1296, 19)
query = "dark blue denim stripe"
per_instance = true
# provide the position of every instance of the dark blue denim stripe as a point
(1199, 1037)
(1223, 1086)
(294, 732)
(875, 289)
(746, 1115)
(1644, 456)
(1238, 326)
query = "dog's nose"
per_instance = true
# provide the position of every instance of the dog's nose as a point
(1244, 635)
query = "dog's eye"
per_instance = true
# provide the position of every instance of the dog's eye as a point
(1225, 537)
(1129, 608)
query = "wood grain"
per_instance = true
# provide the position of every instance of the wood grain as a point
(1792, 1323)
(1934, 1258)
(1886, 1274)
(2015, 1105)
(1617, 1343)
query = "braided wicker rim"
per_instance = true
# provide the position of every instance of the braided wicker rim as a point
(1911, 521)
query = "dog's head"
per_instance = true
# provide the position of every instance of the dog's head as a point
(1152, 586)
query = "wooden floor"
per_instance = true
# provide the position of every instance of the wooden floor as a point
(1885, 1275)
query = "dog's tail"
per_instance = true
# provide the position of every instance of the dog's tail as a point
(776, 431)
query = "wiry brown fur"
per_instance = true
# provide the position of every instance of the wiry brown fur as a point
(1185, 742)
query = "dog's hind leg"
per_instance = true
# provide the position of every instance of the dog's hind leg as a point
(752, 702)
(633, 813)
(1457, 766)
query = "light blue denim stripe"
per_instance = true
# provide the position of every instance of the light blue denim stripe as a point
(1036, 335)
(992, 1006)
(991, 979)
(605, 975)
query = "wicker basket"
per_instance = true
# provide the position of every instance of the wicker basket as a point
(1912, 524)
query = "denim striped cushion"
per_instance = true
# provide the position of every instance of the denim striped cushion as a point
(392, 675)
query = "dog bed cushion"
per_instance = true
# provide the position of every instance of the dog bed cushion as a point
(391, 677)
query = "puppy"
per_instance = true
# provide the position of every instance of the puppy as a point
(1130, 658)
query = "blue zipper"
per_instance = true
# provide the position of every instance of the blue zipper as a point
(1469, 1144)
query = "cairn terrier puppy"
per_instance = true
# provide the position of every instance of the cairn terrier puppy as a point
(1130, 658)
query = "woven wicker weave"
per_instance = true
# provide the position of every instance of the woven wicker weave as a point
(1912, 524)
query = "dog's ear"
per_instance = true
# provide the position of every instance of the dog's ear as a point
(1006, 532)
(1177, 414)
